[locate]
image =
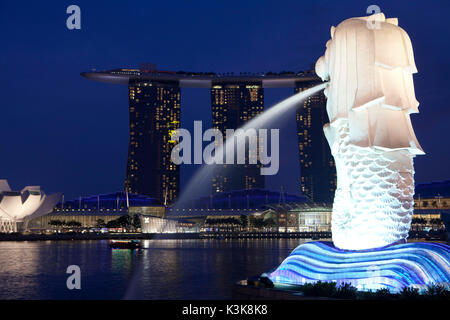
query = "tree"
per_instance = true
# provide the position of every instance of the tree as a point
(124, 221)
(244, 221)
(57, 223)
(100, 223)
(121, 222)
(73, 223)
(136, 222)
(270, 219)
(257, 222)
(112, 224)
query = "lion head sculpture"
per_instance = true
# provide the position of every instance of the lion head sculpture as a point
(369, 67)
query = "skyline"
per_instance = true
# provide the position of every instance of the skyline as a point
(70, 135)
(225, 155)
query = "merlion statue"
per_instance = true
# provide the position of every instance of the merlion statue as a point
(369, 64)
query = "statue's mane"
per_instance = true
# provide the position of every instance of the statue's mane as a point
(361, 60)
(370, 63)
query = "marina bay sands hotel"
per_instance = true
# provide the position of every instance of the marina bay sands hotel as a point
(154, 113)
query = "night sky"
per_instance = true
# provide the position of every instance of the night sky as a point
(70, 135)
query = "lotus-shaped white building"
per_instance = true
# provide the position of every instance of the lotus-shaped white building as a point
(17, 208)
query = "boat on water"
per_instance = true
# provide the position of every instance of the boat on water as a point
(125, 244)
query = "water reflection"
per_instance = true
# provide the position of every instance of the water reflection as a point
(203, 269)
(163, 269)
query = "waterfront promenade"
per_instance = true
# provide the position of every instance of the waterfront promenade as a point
(422, 235)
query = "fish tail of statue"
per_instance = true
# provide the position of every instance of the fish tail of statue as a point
(373, 204)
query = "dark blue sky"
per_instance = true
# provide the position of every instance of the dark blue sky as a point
(69, 134)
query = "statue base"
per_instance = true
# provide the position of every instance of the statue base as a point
(393, 267)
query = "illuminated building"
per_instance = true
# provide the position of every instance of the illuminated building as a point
(288, 212)
(150, 224)
(233, 104)
(155, 94)
(154, 114)
(99, 210)
(317, 168)
(17, 208)
(300, 216)
(306, 217)
(432, 196)
(432, 206)
(87, 211)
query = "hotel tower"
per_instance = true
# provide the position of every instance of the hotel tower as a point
(232, 105)
(154, 113)
(318, 171)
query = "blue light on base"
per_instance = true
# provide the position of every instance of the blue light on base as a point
(393, 267)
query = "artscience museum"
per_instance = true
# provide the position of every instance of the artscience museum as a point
(17, 208)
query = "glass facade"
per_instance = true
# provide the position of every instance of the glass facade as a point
(154, 115)
(318, 171)
(233, 104)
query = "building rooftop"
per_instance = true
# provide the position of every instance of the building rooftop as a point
(243, 199)
(283, 79)
(111, 201)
